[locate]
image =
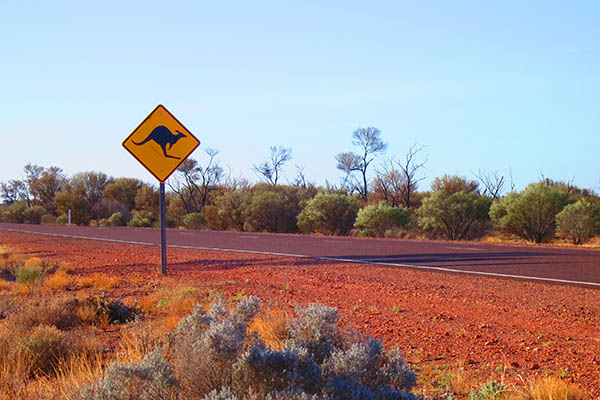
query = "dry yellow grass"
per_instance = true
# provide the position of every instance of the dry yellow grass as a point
(59, 280)
(33, 262)
(137, 341)
(5, 286)
(98, 281)
(553, 388)
(271, 327)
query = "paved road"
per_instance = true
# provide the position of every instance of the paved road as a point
(578, 266)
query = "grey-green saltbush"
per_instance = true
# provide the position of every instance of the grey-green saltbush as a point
(214, 358)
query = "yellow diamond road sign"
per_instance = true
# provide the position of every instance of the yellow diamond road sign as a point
(161, 143)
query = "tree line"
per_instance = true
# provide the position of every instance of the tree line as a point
(387, 205)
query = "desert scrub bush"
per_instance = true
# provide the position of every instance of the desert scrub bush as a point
(48, 219)
(33, 214)
(62, 219)
(454, 216)
(272, 208)
(328, 213)
(579, 221)
(111, 310)
(140, 222)
(14, 212)
(530, 214)
(117, 219)
(104, 222)
(194, 221)
(211, 354)
(30, 273)
(377, 219)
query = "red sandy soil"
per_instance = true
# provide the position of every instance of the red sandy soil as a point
(488, 328)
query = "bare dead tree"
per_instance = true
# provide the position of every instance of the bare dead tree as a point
(512, 181)
(370, 142)
(270, 170)
(194, 182)
(397, 181)
(410, 168)
(300, 180)
(390, 182)
(492, 183)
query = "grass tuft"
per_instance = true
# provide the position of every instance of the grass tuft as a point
(553, 388)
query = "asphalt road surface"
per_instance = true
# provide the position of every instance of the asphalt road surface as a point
(551, 264)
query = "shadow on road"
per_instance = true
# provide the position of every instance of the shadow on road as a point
(462, 259)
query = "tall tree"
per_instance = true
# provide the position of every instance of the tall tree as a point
(123, 191)
(43, 184)
(270, 170)
(370, 143)
(90, 184)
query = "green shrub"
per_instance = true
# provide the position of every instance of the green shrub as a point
(272, 208)
(117, 219)
(48, 219)
(194, 221)
(62, 219)
(81, 209)
(231, 208)
(33, 214)
(377, 219)
(214, 221)
(30, 273)
(104, 222)
(329, 213)
(530, 214)
(456, 216)
(140, 222)
(14, 213)
(579, 221)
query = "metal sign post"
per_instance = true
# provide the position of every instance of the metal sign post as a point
(163, 230)
(161, 143)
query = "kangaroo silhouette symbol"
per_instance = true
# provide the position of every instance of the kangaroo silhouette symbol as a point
(162, 136)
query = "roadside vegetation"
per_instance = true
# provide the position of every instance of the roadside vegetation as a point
(64, 335)
(455, 208)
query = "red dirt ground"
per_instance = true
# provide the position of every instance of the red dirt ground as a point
(492, 328)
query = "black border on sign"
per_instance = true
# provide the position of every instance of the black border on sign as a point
(142, 123)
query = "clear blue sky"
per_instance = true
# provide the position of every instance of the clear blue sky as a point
(484, 85)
